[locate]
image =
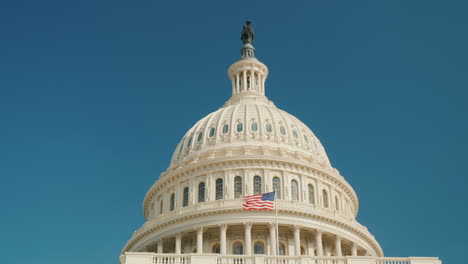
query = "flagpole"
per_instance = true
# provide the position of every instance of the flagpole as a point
(277, 231)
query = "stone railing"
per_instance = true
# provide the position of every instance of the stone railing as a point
(153, 258)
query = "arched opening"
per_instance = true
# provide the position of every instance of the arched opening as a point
(237, 248)
(277, 187)
(237, 187)
(303, 251)
(325, 198)
(259, 248)
(172, 205)
(216, 248)
(294, 191)
(311, 194)
(282, 249)
(201, 192)
(219, 189)
(185, 199)
(257, 185)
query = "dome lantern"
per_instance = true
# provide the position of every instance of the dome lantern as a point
(248, 74)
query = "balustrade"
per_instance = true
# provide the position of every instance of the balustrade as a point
(154, 258)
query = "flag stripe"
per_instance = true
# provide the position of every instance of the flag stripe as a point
(259, 201)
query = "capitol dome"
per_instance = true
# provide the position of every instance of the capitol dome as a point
(250, 147)
(257, 124)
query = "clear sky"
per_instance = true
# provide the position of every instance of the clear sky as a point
(95, 95)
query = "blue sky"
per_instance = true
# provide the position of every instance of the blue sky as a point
(95, 95)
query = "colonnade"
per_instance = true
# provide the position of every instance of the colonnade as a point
(317, 237)
(248, 80)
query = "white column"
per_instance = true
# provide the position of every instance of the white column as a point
(354, 249)
(252, 80)
(233, 84)
(200, 240)
(160, 246)
(244, 82)
(273, 242)
(178, 239)
(222, 238)
(338, 246)
(297, 240)
(261, 88)
(237, 82)
(318, 242)
(248, 239)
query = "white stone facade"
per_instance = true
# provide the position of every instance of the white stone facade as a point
(249, 147)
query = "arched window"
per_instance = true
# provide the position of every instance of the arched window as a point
(215, 248)
(172, 202)
(311, 194)
(259, 248)
(257, 185)
(282, 249)
(337, 203)
(200, 136)
(277, 187)
(325, 198)
(294, 191)
(201, 192)
(161, 207)
(237, 248)
(237, 187)
(225, 129)
(219, 189)
(303, 251)
(269, 128)
(189, 142)
(186, 197)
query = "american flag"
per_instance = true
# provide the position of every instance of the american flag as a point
(259, 201)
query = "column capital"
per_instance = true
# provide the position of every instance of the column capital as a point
(297, 228)
(272, 225)
(318, 232)
(199, 229)
(222, 226)
(338, 237)
(248, 225)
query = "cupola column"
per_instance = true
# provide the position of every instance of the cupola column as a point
(338, 246)
(297, 240)
(200, 240)
(244, 81)
(248, 239)
(222, 238)
(318, 243)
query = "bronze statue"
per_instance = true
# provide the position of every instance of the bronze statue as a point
(247, 33)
